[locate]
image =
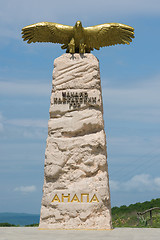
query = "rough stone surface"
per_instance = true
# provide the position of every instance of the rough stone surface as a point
(76, 191)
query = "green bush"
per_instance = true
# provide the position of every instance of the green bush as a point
(7, 225)
(127, 216)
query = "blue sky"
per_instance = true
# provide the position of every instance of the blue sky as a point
(130, 78)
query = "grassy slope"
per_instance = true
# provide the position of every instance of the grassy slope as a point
(127, 216)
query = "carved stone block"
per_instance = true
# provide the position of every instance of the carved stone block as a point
(76, 191)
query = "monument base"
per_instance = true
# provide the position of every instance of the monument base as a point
(76, 191)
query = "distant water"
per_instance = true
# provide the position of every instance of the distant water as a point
(19, 218)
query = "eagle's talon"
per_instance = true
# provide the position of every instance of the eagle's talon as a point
(72, 49)
(71, 46)
(82, 48)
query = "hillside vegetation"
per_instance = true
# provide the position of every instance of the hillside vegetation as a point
(126, 216)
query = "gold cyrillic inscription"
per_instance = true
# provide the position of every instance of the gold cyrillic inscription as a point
(94, 198)
(84, 198)
(75, 199)
(68, 197)
(56, 198)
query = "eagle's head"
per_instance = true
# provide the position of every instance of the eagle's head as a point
(78, 24)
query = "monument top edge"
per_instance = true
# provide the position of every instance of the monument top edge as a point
(77, 56)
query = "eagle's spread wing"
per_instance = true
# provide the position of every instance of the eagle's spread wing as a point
(47, 32)
(108, 34)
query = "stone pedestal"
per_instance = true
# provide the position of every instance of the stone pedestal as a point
(76, 191)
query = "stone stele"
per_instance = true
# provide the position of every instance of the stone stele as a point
(76, 191)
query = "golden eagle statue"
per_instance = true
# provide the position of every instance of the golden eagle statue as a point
(78, 39)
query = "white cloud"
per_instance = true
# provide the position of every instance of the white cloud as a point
(21, 88)
(114, 185)
(138, 183)
(140, 103)
(32, 9)
(38, 123)
(145, 93)
(157, 182)
(26, 189)
(16, 14)
(134, 146)
(27, 128)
